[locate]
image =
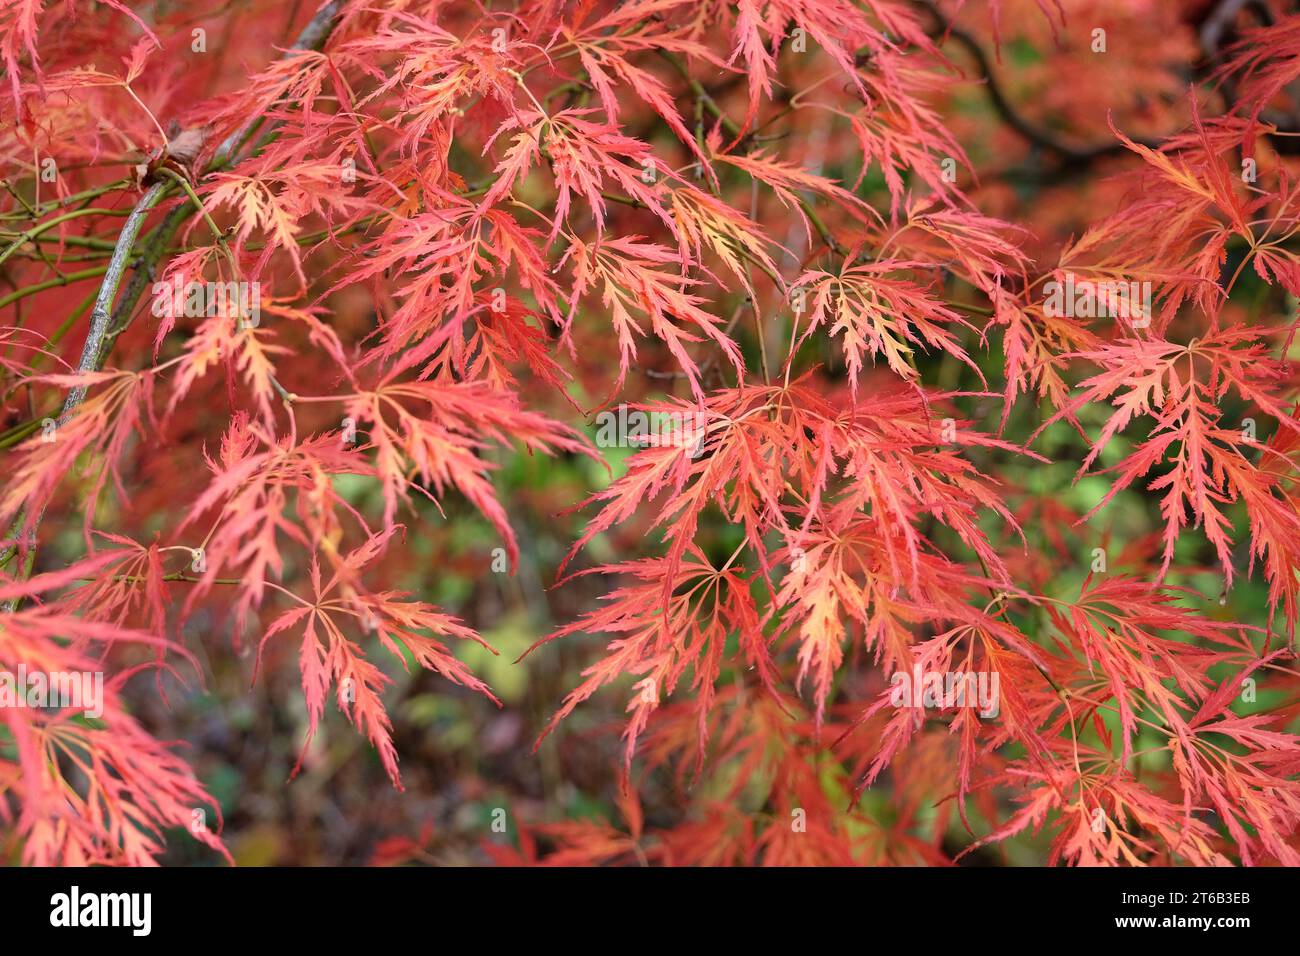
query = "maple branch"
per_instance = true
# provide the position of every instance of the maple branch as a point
(91, 353)
(1220, 19)
(102, 311)
(145, 271)
(312, 37)
(60, 280)
(1035, 135)
(1216, 31)
(36, 230)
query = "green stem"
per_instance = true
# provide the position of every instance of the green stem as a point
(52, 284)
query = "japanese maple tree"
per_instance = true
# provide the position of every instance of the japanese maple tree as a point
(967, 333)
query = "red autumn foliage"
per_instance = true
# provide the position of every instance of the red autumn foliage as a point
(444, 235)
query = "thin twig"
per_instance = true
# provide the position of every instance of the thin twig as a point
(311, 37)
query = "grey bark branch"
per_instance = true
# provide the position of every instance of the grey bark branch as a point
(312, 37)
(102, 312)
(1035, 135)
